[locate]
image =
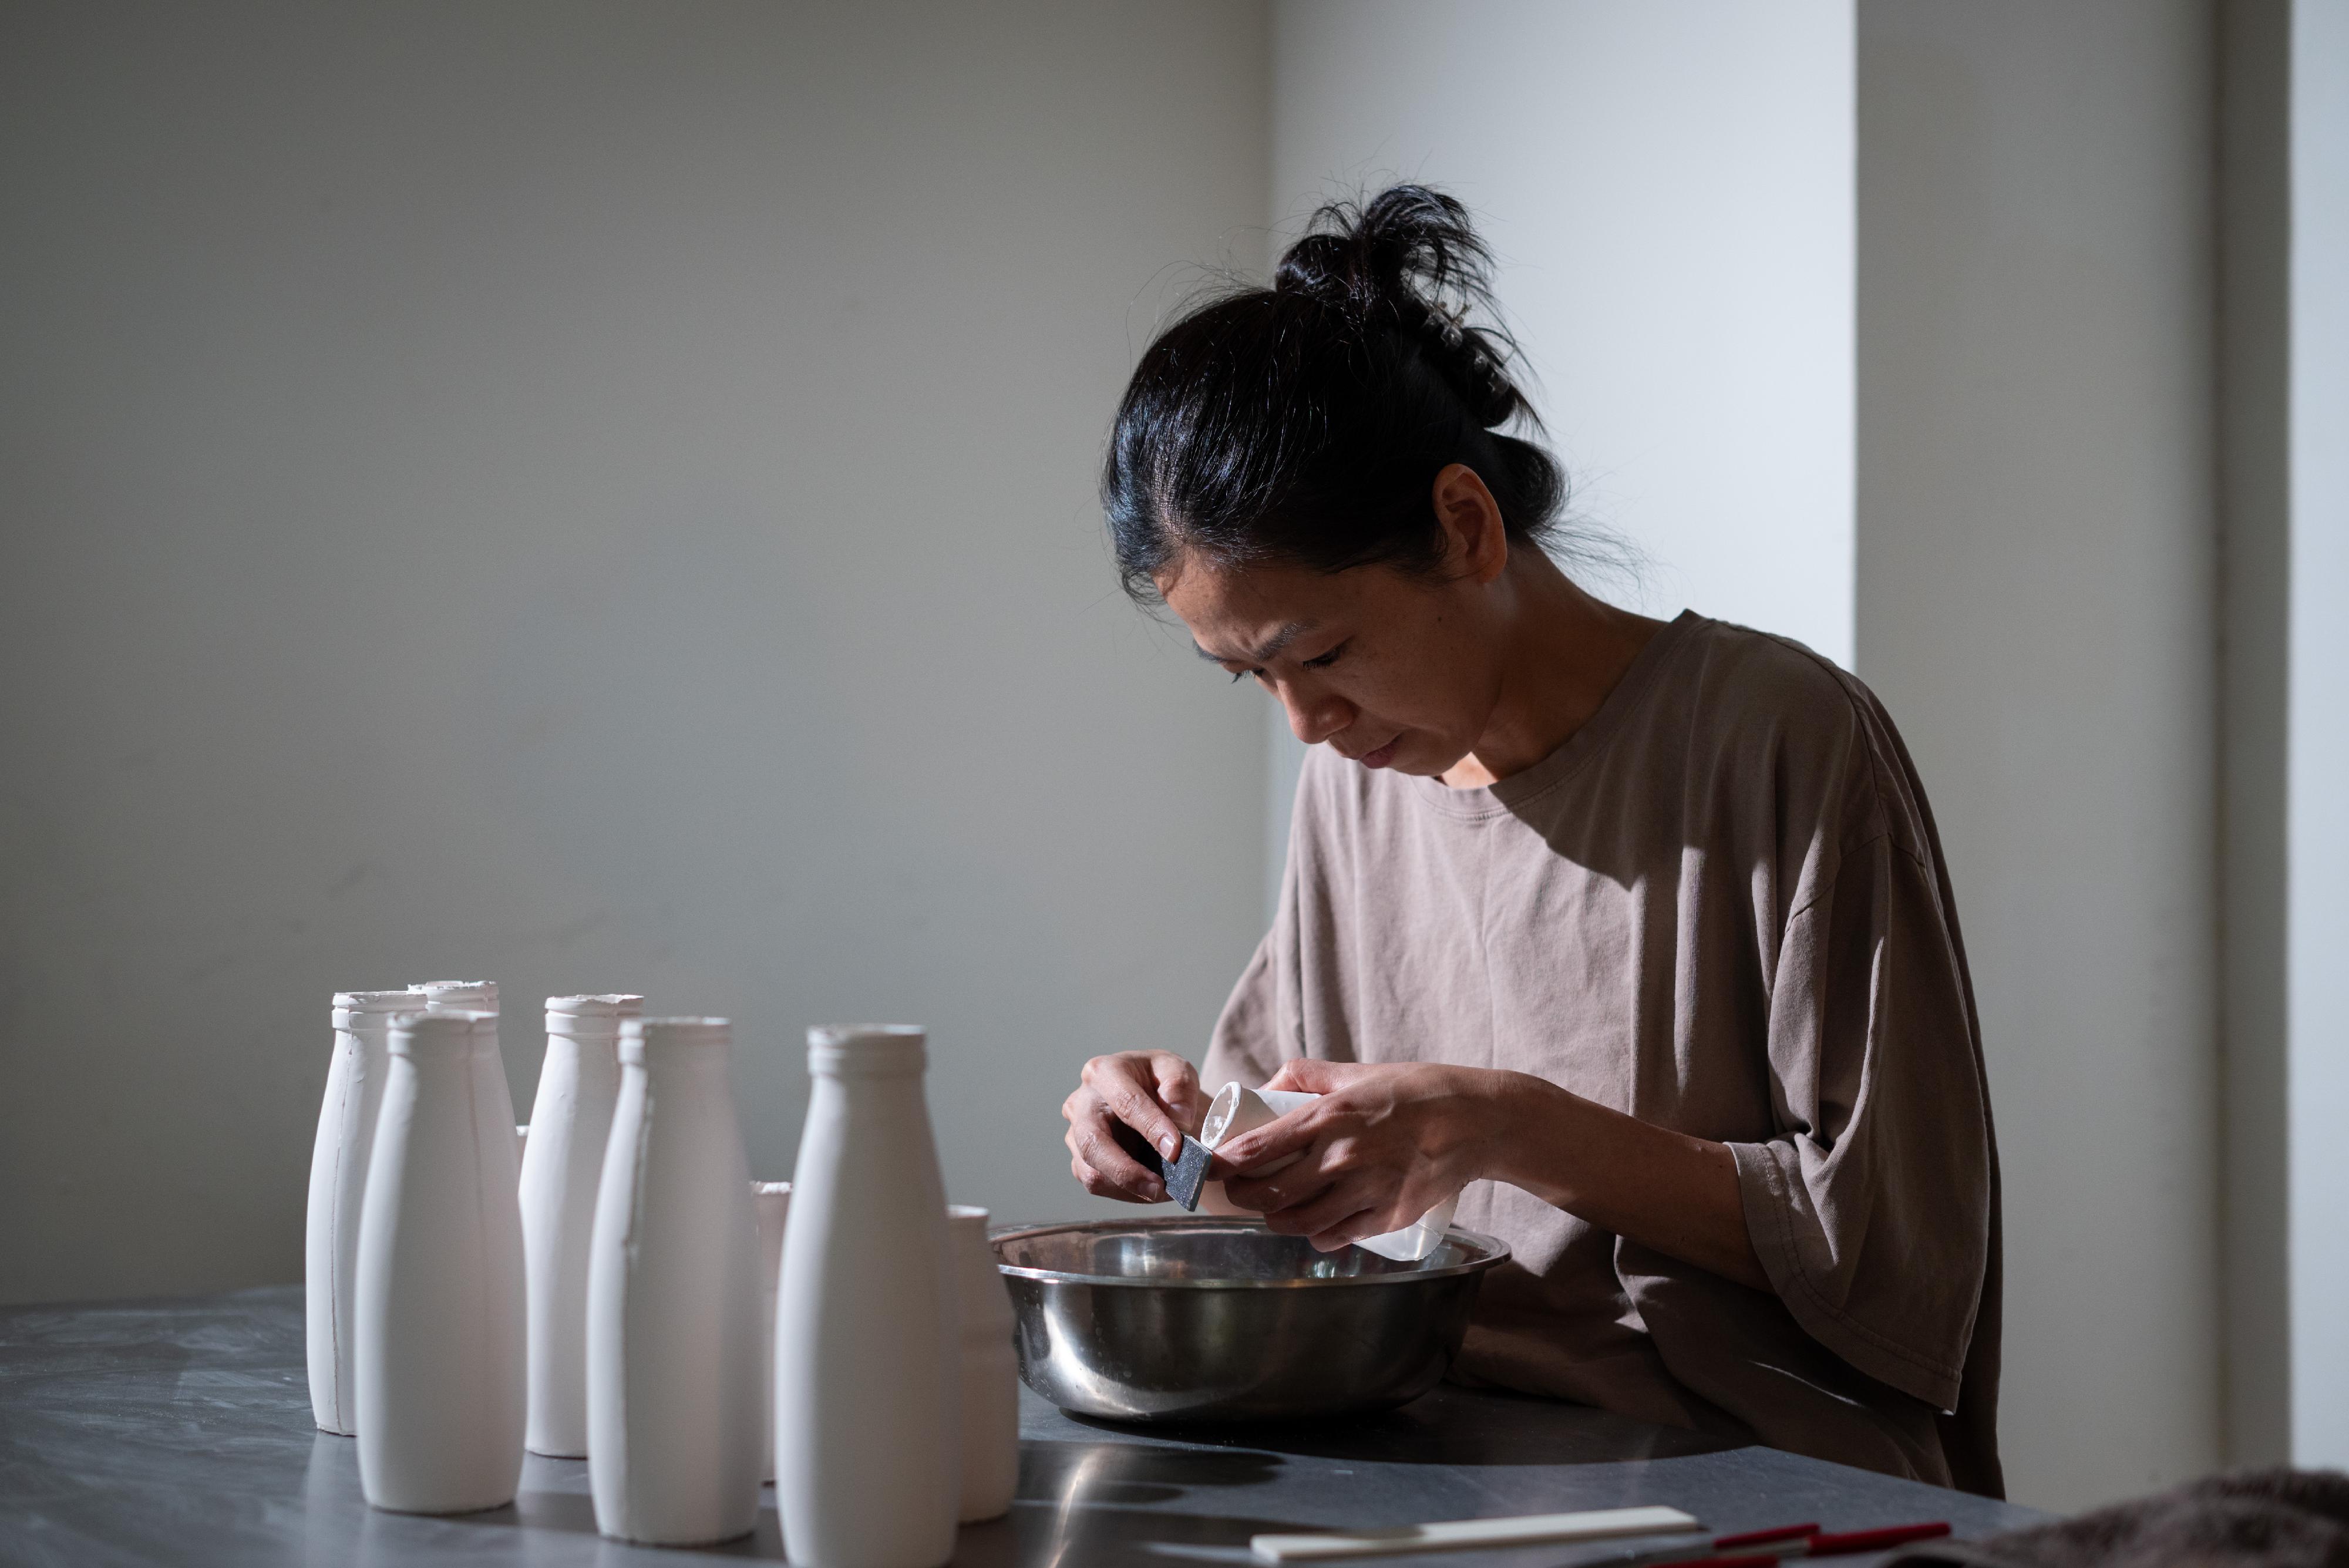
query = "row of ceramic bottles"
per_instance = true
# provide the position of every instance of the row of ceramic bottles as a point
(610, 1289)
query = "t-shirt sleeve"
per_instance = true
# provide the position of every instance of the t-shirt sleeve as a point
(1259, 1029)
(1870, 1208)
(1245, 1046)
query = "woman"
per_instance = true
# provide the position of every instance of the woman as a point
(1635, 934)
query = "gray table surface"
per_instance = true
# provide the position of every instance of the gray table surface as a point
(180, 1431)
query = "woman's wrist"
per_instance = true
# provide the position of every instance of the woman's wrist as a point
(1669, 1190)
(1522, 1121)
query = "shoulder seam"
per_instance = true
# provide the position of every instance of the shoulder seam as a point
(1843, 854)
(1845, 680)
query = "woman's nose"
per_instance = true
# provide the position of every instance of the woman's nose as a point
(1312, 718)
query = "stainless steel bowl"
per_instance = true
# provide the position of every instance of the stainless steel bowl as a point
(1201, 1318)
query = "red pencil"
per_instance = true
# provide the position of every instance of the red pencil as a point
(1790, 1540)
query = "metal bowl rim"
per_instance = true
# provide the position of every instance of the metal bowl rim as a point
(1490, 1251)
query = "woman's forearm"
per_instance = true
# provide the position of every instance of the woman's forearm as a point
(1663, 1190)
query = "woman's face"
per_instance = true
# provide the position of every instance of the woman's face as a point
(1389, 670)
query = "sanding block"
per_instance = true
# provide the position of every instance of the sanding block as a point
(1184, 1177)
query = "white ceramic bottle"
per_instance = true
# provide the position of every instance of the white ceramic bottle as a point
(338, 1168)
(440, 1357)
(772, 1201)
(673, 1409)
(489, 1066)
(1236, 1109)
(990, 1371)
(562, 1169)
(868, 1368)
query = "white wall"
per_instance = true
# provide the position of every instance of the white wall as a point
(1668, 188)
(591, 495)
(2036, 605)
(2318, 954)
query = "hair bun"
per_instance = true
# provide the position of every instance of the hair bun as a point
(1308, 423)
(1409, 262)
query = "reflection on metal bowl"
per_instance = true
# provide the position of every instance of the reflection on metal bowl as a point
(1204, 1318)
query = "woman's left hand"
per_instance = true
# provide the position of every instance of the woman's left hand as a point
(1386, 1143)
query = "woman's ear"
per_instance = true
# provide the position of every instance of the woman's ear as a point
(1476, 544)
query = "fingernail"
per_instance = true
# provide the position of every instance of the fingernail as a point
(1170, 1145)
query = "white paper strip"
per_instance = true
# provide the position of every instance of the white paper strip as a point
(1530, 1529)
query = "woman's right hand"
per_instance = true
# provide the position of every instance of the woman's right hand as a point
(1156, 1093)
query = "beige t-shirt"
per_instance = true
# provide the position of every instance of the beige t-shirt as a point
(1720, 907)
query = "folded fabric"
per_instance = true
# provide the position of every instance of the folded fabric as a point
(2277, 1518)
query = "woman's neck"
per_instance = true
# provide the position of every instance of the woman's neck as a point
(1562, 652)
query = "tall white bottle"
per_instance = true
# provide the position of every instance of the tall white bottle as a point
(868, 1367)
(338, 1168)
(990, 1371)
(561, 1168)
(772, 1200)
(673, 1408)
(489, 1066)
(440, 1322)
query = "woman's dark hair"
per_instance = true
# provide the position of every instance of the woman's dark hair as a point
(1307, 423)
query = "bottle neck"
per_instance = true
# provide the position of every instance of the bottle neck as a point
(882, 1089)
(692, 1064)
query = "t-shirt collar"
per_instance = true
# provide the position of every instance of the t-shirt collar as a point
(1579, 748)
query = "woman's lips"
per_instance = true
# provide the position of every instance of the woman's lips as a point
(1382, 756)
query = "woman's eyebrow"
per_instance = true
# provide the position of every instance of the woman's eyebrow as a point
(1272, 647)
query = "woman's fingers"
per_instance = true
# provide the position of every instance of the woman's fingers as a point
(1273, 1191)
(1107, 1170)
(1101, 1186)
(1130, 1094)
(1128, 1089)
(1325, 1194)
(1257, 1196)
(1096, 1160)
(1334, 1216)
(1178, 1089)
(1346, 1235)
(1340, 1215)
(1283, 1138)
(1306, 1075)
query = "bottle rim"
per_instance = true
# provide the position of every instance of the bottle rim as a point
(867, 1050)
(374, 1006)
(664, 1038)
(598, 1014)
(458, 995)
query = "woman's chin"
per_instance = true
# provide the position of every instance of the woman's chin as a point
(1418, 762)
